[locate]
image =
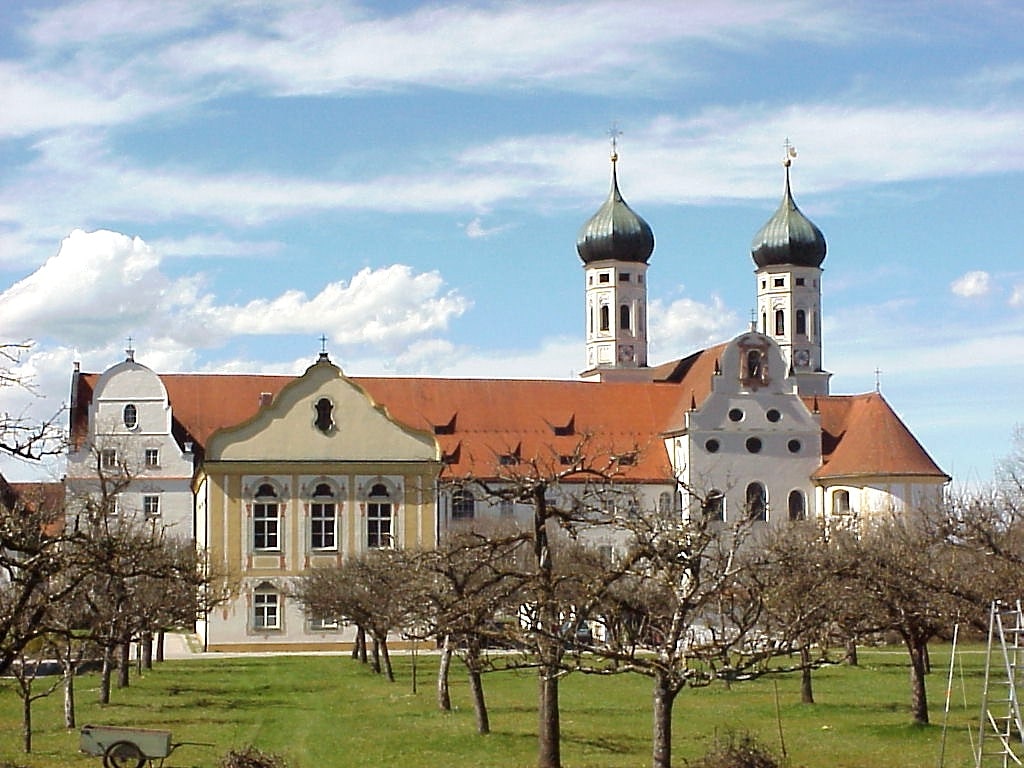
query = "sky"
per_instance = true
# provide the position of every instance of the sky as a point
(223, 182)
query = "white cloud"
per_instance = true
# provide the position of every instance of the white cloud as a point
(1017, 296)
(476, 229)
(972, 285)
(688, 324)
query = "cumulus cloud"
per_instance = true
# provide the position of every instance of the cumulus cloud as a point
(972, 285)
(684, 325)
(1017, 297)
(106, 285)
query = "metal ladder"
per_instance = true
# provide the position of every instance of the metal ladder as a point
(1001, 732)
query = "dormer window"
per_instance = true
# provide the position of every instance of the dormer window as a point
(130, 416)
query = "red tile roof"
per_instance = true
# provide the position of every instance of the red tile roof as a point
(479, 421)
(863, 436)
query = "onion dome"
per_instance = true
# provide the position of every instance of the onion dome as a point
(615, 232)
(788, 237)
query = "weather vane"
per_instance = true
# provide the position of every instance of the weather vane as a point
(790, 153)
(614, 132)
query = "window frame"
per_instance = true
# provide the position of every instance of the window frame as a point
(380, 518)
(266, 603)
(151, 458)
(133, 422)
(323, 524)
(148, 500)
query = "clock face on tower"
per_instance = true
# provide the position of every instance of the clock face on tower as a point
(802, 358)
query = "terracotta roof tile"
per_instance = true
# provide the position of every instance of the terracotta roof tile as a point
(863, 436)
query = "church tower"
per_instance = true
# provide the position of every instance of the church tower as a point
(788, 251)
(615, 246)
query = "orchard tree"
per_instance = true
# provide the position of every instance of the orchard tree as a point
(465, 589)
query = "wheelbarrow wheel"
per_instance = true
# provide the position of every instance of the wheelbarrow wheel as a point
(123, 754)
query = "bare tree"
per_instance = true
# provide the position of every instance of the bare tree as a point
(465, 588)
(20, 435)
(371, 590)
(685, 611)
(565, 494)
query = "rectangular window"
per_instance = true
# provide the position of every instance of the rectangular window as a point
(266, 611)
(507, 507)
(779, 282)
(623, 277)
(265, 526)
(151, 506)
(604, 277)
(323, 625)
(152, 457)
(108, 458)
(378, 525)
(322, 526)
(799, 281)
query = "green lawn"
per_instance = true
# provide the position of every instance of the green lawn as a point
(325, 711)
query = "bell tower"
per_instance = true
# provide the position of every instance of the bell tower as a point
(788, 251)
(615, 245)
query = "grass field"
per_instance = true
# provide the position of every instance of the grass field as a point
(329, 711)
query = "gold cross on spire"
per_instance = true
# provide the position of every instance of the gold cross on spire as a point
(614, 133)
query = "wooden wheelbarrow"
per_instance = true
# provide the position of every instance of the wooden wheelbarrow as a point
(122, 747)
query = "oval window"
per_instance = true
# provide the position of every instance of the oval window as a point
(712, 446)
(773, 415)
(131, 416)
(754, 444)
(794, 446)
(735, 415)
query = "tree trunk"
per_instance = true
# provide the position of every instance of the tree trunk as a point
(375, 665)
(661, 744)
(806, 688)
(147, 650)
(549, 751)
(444, 699)
(108, 664)
(388, 671)
(26, 721)
(160, 637)
(124, 652)
(69, 695)
(476, 688)
(918, 669)
(851, 652)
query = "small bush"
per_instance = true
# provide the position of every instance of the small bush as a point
(737, 751)
(250, 757)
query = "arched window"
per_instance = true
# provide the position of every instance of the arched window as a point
(463, 504)
(624, 317)
(131, 416)
(764, 323)
(841, 503)
(324, 415)
(266, 520)
(323, 519)
(378, 518)
(665, 502)
(714, 505)
(757, 502)
(780, 322)
(797, 506)
(605, 318)
(754, 364)
(801, 323)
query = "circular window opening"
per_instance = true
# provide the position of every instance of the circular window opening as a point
(712, 446)
(735, 415)
(773, 415)
(794, 446)
(754, 444)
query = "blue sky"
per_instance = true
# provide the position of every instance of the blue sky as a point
(224, 182)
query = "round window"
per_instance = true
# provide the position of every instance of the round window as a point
(712, 446)
(773, 415)
(735, 415)
(754, 444)
(794, 446)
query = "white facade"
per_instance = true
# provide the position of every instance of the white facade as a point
(130, 435)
